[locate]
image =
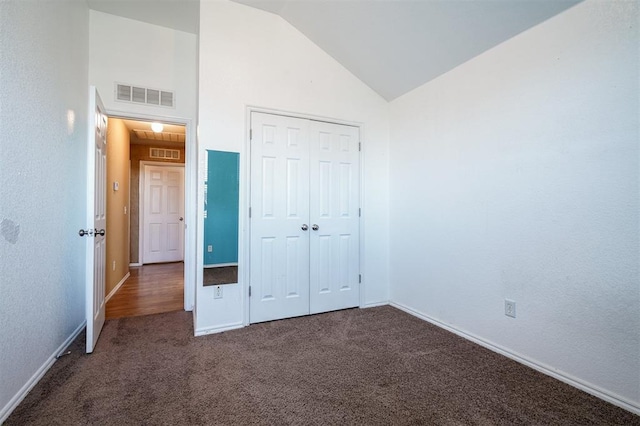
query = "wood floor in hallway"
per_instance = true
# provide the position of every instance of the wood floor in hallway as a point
(151, 289)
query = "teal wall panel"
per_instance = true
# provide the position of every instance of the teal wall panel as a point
(221, 208)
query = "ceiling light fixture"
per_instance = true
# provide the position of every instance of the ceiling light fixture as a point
(157, 127)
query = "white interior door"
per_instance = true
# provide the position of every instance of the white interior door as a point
(96, 218)
(304, 244)
(279, 252)
(163, 213)
(334, 216)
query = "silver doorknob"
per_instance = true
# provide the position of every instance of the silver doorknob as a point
(304, 227)
(88, 232)
(97, 232)
(315, 227)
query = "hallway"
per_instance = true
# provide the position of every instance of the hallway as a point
(151, 289)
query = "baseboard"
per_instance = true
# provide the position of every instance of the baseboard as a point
(134, 265)
(217, 329)
(18, 397)
(117, 287)
(538, 366)
(374, 305)
(220, 265)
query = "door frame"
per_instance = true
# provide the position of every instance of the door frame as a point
(244, 247)
(141, 206)
(190, 194)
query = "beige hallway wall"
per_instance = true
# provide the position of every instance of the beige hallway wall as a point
(117, 203)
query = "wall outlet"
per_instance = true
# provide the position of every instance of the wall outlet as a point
(510, 308)
(209, 248)
(217, 292)
(113, 266)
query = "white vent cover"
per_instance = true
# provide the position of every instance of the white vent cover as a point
(165, 154)
(144, 95)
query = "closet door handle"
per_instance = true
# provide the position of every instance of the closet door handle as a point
(305, 227)
(315, 227)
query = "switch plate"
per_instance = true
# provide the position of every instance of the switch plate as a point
(209, 248)
(510, 308)
(217, 292)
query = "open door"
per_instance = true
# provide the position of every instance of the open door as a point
(96, 218)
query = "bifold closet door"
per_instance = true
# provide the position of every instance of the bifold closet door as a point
(334, 216)
(304, 254)
(279, 252)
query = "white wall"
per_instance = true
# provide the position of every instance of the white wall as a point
(516, 175)
(43, 79)
(250, 57)
(127, 51)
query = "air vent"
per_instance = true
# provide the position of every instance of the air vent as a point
(165, 154)
(143, 95)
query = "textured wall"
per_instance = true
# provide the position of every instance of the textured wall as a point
(523, 172)
(117, 201)
(43, 132)
(126, 51)
(251, 57)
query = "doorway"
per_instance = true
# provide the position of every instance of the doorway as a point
(139, 284)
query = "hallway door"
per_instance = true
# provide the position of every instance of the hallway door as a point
(163, 215)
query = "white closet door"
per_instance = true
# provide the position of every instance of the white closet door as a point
(279, 253)
(334, 216)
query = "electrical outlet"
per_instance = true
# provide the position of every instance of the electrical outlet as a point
(510, 308)
(209, 248)
(217, 292)
(113, 266)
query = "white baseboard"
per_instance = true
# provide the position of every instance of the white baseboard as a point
(538, 366)
(135, 264)
(220, 265)
(18, 397)
(117, 287)
(217, 329)
(374, 305)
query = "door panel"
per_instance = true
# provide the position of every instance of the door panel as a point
(303, 173)
(163, 200)
(279, 253)
(96, 215)
(334, 207)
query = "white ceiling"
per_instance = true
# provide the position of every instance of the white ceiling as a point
(181, 15)
(393, 46)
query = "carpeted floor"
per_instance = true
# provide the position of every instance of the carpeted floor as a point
(360, 366)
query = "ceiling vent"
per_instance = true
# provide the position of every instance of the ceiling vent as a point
(144, 95)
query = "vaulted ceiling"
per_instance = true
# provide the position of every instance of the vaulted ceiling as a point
(393, 46)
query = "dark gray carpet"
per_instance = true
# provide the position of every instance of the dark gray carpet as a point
(369, 366)
(221, 275)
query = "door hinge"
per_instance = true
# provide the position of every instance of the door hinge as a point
(249, 211)
(249, 291)
(359, 212)
(250, 134)
(360, 279)
(359, 146)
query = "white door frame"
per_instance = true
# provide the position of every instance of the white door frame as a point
(141, 189)
(245, 200)
(190, 195)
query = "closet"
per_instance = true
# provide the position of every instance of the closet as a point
(304, 224)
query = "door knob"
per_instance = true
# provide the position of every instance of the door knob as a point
(315, 227)
(181, 219)
(100, 232)
(304, 227)
(88, 232)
